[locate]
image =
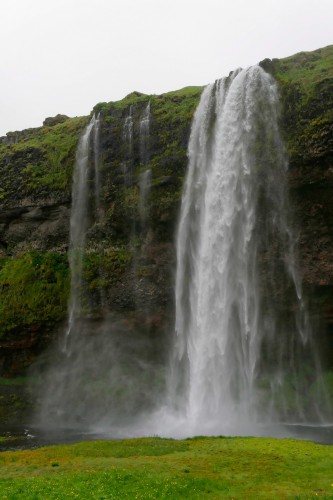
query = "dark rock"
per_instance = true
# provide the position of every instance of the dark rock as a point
(54, 120)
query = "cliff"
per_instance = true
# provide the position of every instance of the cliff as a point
(306, 86)
(130, 258)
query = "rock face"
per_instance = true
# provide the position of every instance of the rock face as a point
(130, 258)
(306, 84)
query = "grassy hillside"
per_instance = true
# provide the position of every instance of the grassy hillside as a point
(306, 69)
(306, 84)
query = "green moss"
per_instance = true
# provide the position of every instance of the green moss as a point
(17, 381)
(33, 291)
(104, 269)
(306, 69)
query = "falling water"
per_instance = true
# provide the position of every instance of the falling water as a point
(110, 371)
(97, 161)
(145, 177)
(144, 185)
(144, 134)
(128, 128)
(79, 221)
(127, 136)
(239, 356)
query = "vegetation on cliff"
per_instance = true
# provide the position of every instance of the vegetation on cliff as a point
(33, 291)
(171, 116)
(38, 162)
(306, 84)
(36, 168)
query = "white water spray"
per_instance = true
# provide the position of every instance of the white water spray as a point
(145, 134)
(97, 161)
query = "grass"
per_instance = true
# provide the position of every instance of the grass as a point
(306, 68)
(41, 160)
(154, 468)
(306, 83)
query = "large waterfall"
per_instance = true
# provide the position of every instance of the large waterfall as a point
(239, 357)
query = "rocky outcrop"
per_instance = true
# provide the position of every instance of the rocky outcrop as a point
(41, 228)
(54, 120)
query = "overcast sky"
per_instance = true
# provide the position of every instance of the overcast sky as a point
(64, 56)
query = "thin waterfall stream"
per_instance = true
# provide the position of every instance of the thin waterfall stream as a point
(79, 220)
(97, 175)
(145, 134)
(145, 177)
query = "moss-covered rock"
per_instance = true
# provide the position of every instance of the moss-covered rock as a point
(37, 164)
(33, 291)
(54, 120)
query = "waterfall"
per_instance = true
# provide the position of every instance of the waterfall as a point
(80, 218)
(110, 372)
(144, 134)
(145, 177)
(128, 142)
(97, 161)
(238, 357)
(128, 128)
(144, 185)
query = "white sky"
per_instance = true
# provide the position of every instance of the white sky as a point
(65, 56)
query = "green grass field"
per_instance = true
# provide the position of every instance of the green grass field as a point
(153, 468)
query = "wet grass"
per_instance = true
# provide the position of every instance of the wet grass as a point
(154, 468)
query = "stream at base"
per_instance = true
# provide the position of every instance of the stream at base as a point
(30, 437)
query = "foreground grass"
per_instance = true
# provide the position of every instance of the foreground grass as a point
(154, 468)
